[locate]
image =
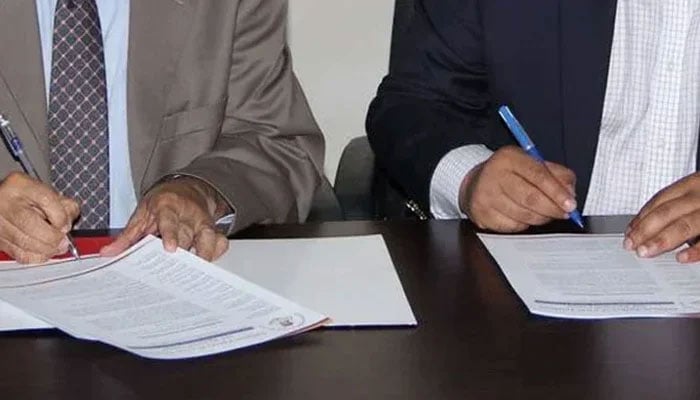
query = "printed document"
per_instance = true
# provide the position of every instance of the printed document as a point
(12, 318)
(154, 303)
(592, 276)
(323, 274)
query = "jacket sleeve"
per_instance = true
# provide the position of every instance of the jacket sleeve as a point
(436, 97)
(268, 159)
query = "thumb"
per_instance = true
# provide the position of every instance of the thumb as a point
(564, 175)
(134, 231)
(72, 209)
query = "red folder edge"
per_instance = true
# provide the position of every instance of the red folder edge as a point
(86, 246)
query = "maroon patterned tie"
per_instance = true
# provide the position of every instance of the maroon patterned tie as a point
(77, 115)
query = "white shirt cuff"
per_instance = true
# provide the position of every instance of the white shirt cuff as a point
(448, 176)
(226, 222)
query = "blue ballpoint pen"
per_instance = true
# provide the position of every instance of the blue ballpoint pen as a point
(526, 143)
(15, 146)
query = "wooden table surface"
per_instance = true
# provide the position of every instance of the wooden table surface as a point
(475, 340)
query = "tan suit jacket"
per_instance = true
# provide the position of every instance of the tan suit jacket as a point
(211, 93)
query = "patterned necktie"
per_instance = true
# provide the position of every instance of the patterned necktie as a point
(78, 137)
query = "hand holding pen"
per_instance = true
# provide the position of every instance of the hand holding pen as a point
(34, 218)
(513, 190)
(529, 147)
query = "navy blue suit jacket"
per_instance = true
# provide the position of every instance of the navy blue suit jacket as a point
(461, 59)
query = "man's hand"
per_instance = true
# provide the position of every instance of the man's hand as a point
(182, 212)
(511, 191)
(34, 219)
(670, 219)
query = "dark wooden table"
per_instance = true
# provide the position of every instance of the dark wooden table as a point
(475, 341)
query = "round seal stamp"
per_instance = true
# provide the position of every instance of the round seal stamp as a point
(286, 323)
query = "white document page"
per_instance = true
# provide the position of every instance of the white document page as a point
(352, 280)
(158, 304)
(12, 318)
(592, 276)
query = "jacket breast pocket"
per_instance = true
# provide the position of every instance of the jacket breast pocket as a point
(195, 120)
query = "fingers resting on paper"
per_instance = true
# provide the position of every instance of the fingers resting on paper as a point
(34, 219)
(511, 192)
(669, 220)
(182, 214)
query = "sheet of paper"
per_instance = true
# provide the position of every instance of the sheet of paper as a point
(158, 304)
(352, 280)
(12, 318)
(592, 276)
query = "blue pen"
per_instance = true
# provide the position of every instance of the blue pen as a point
(526, 143)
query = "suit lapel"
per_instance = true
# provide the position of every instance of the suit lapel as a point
(22, 89)
(586, 39)
(157, 31)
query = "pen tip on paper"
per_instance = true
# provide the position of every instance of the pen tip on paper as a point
(74, 252)
(577, 219)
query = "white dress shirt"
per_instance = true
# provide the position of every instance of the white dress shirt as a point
(651, 117)
(114, 19)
